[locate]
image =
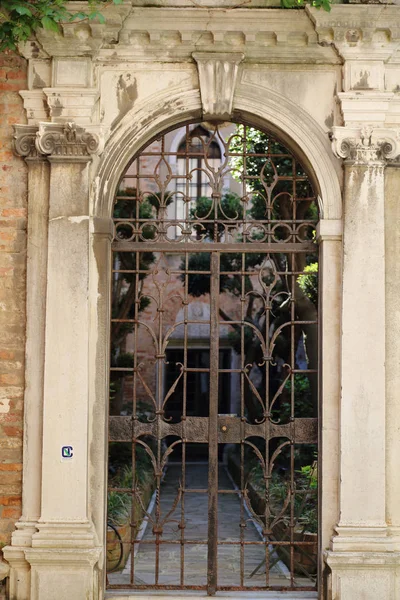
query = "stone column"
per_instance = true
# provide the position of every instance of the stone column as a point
(38, 208)
(65, 548)
(392, 273)
(99, 389)
(360, 544)
(329, 237)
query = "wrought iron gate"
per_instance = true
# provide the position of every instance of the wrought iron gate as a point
(213, 394)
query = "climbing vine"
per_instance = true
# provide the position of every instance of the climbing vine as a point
(20, 19)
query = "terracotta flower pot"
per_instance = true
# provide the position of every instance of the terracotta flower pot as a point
(117, 551)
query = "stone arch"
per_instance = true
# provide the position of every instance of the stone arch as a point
(265, 109)
(269, 111)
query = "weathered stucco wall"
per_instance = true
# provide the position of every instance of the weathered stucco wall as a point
(13, 212)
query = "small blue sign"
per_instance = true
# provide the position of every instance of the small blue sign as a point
(67, 452)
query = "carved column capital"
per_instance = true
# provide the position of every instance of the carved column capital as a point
(24, 141)
(67, 142)
(217, 76)
(366, 145)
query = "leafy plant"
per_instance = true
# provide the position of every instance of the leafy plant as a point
(120, 503)
(20, 19)
(119, 508)
(325, 4)
(308, 282)
(305, 503)
(303, 401)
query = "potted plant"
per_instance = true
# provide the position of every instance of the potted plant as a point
(118, 530)
(121, 518)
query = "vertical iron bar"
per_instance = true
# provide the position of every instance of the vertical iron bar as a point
(212, 559)
(292, 414)
(184, 407)
(134, 415)
(242, 416)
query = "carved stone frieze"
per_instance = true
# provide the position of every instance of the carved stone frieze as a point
(153, 32)
(367, 145)
(217, 76)
(67, 141)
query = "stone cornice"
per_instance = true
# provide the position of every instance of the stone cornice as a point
(172, 33)
(58, 141)
(217, 77)
(82, 38)
(367, 145)
(359, 32)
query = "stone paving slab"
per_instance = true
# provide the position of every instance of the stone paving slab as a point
(194, 556)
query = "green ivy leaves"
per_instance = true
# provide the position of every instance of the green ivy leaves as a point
(20, 19)
(325, 4)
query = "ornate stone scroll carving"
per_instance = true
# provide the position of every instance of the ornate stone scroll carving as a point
(366, 145)
(62, 141)
(67, 141)
(24, 140)
(217, 76)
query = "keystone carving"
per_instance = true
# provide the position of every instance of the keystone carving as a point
(217, 76)
(366, 145)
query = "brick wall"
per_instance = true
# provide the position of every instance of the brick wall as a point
(13, 211)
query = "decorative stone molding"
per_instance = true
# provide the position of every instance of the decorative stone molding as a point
(35, 105)
(366, 37)
(71, 104)
(366, 145)
(217, 76)
(84, 38)
(361, 33)
(329, 229)
(103, 226)
(367, 108)
(154, 32)
(4, 570)
(67, 141)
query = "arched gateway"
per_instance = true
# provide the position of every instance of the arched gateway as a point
(214, 367)
(213, 270)
(174, 231)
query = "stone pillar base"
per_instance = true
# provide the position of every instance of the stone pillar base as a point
(63, 573)
(366, 575)
(20, 572)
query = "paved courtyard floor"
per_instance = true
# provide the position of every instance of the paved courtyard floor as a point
(188, 563)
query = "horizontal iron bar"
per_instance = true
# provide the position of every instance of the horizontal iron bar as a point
(306, 492)
(248, 247)
(165, 542)
(195, 429)
(223, 588)
(272, 588)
